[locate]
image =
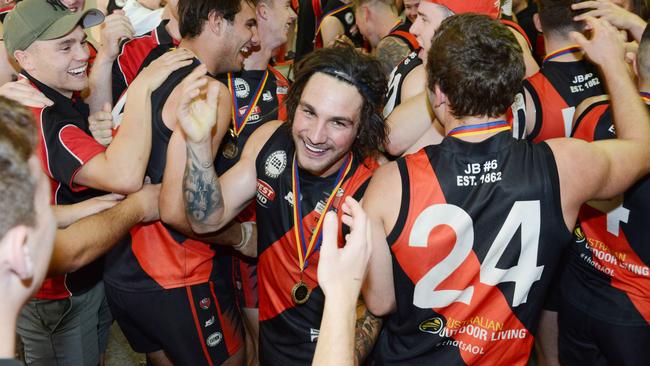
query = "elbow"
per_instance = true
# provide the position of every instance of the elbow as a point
(394, 148)
(379, 305)
(128, 185)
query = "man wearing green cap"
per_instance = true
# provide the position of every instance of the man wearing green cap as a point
(67, 321)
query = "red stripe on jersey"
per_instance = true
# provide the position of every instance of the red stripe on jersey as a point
(283, 85)
(615, 257)
(231, 335)
(82, 146)
(167, 262)
(585, 128)
(275, 281)
(487, 318)
(198, 325)
(410, 39)
(550, 121)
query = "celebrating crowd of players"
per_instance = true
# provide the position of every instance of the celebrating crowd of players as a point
(210, 206)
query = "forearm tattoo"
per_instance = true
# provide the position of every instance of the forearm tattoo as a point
(201, 189)
(391, 51)
(366, 332)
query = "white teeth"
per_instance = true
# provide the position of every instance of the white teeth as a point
(244, 49)
(78, 70)
(314, 149)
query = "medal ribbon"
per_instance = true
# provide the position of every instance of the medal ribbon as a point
(480, 129)
(562, 51)
(239, 120)
(305, 250)
(646, 97)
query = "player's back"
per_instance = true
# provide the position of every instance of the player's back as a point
(473, 252)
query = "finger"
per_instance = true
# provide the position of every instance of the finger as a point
(592, 13)
(585, 5)
(102, 116)
(330, 234)
(213, 95)
(111, 197)
(104, 141)
(580, 39)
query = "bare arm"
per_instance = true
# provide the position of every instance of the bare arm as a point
(603, 169)
(407, 123)
(91, 237)
(330, 29)
(68, 214)
(122, 166)
(366, 332)
(432, 136)
(115, 28)
(414, 83)
(381, 202)
(390, 51)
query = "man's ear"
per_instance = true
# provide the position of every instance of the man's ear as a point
(262, 11)
(537, 22)
(216, 23)
(440, 97)
(14, 252)
(25, 60)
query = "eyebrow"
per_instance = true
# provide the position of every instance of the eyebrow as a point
(333, 118)
(69, 41)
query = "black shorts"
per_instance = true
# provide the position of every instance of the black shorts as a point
(588, 340)
(191, 324)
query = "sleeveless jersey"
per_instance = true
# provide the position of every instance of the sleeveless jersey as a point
(270, 106)
(401, 32)
(64, 146)
(556, 90)
(396, 79)
(608, 273)
(136, 54)
(474, 248)
(345, 14)
(288, 332)
(157, 256)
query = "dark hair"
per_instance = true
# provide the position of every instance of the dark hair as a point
(556, 16)
(477, 62)
(362, 71)
(17, 144)
(643, 56)
(641, 8)
(192, 14)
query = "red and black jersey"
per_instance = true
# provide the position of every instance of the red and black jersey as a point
(65, 145)
(401, 32)
(136, 54)
(288, 332)
(270, 106)
(608, 273)
(345, 14)
(479, 234)
(396, 79)
(5, 10)
(556, 90)
(157, 256)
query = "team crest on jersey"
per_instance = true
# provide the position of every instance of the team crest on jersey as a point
(349, 18)
(265, 193)
(433, 325)
(204, 303)
(214, 339)
(281, 90)
(242, 90)
(267, 96)
(578, 234)
(275, 164)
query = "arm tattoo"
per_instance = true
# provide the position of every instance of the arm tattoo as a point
(201, 189)
(391, 51)
(366, 332)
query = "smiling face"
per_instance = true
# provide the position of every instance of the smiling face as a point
(60, 63)
(240, 38)
(278, 20)
(325, 124)
(411, 9)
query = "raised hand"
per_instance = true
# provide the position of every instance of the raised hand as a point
(605, 9)
(197, 107)
(159, 70)
(341, 271)
(605, 46)
(116, 28)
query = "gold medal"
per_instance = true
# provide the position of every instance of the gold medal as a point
(230, 150)
(300, 293)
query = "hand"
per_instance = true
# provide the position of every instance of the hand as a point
(116, 28)
(98, 204)
(605, 46)
(197, 108)
(604, 9)
(341, 41)
(341, 271)
(147, 200)
(22, 92)
(100, 125)
(159, 70)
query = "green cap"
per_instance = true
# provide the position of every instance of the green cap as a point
(33, 20)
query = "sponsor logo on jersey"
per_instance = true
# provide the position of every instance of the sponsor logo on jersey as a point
(265, 193)
(204, 303)
(349, 18)
(267, 96)
(281, 90)
(275, 164)
(209, 322)
(242, 90)
(433, 325)
(255, 114)
(314, 333)
(578, 234)
(214, 339)
(289, 198)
